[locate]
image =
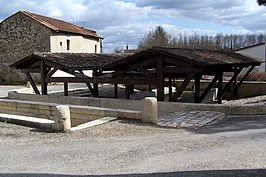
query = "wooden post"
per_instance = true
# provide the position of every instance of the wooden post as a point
(116, 90)
(150, 90)
(43, 75)
(127, 92)
(197, 89)
(131, 88)
(170, 89)
(220, 88)
(95, 85)
(160, 79)
(65, 88)
(235, 86)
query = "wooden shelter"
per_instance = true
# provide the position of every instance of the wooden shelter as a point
(150, 67)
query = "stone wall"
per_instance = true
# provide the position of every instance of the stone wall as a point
(79, 114)
(164, 108)
(20, 36)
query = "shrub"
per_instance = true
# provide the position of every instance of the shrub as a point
(11, 76)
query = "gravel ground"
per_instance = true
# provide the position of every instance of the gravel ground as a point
(130, 148)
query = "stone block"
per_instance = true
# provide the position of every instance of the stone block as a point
(62, 119)
(150, 110)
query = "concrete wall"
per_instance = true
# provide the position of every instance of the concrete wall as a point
(85, 101)
(79, 114)
(256, 52)
(247, 89)
(20, 36)
(78, 44)
(138, 105)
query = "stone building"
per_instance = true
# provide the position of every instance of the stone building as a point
(24, 33)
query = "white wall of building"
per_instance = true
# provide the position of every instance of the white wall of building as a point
(258, 52)
(77, 44)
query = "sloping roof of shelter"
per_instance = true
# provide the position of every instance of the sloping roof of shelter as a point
(201, 56)
(196, 56)
(59, 25)
(71, 60)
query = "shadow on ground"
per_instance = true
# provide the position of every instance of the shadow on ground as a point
(215, 173)
(236, 123)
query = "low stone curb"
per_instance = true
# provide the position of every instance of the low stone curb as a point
(26, 121)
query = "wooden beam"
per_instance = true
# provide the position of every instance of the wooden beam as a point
(36, 90)
(183, 86)
(144, 63)
(35, 65)
(37, 70)
(177, 62)
(117, 73)
(146, 73)
(52, 72)
(178, 70)
(140, 81)
(245, 76)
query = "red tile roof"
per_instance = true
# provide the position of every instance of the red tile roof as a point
(61, 26)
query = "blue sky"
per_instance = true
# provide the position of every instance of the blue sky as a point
(119, 21)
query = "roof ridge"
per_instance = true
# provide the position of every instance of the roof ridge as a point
(31, 15)
(60, 25)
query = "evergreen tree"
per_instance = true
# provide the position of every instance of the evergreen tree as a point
(157, 38)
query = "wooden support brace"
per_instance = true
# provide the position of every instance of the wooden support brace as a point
(88, 85)
(183, 86)
(206, 91)
(231, 80)
(245, 76)
(32, 83)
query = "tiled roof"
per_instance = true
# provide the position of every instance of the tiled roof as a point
(72, 60)
(201, 56)
(61, 26)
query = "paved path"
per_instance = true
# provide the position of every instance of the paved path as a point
(191, 119)
(4, 89)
